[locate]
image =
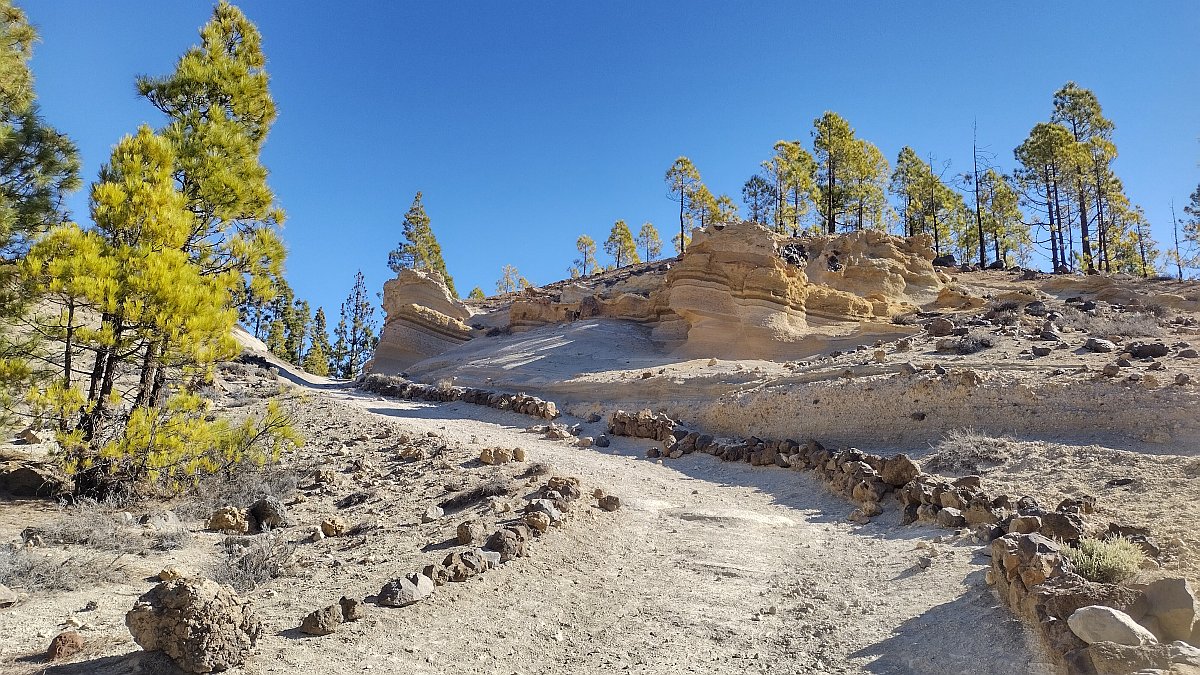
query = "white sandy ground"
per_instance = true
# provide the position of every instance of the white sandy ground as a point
(681, 579)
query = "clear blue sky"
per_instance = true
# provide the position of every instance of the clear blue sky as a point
(528, 123)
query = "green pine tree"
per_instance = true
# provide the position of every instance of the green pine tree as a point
(419, 249)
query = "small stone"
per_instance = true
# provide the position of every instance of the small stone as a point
(323, 621)
(585, 441)
(1097, 623)
(1039, 350)
(1182, 379)
(334, 527)
(405, 591)
(1189, 353)
(1111, 370)
(65, 645)
(229, 519)
(598, 493)
(518, 454)
(539, 521)
(610, 502)
(170, 573)
(470, 531)
(8, 597)
(432, 513)
(924, 562)
(353, 609)
(602, 441)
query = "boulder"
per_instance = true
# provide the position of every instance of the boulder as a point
(202, 625)
(65, 645)
(1110, 658)
(508, 542)
(951, 517)
(323, 621)
(1147, 350)
(21, 477)
(469, 532)
(1097, 623)
(353, 609)
(7, 597)
(229, 519)
(1173, 603)
(1067, 527)
(940, 327)
(405, 591)
(1099, 345)
(610, 502)
(899, 470)
(268, 513)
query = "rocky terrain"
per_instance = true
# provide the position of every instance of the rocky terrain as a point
(819, 455)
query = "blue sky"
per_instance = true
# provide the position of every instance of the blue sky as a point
(526, 124)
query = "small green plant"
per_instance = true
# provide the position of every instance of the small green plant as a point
(1105, 560)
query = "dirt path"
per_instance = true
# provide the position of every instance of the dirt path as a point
(709, 567)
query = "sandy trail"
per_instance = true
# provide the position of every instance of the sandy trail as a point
(684, 579)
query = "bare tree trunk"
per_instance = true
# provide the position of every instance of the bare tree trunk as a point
(1178, 255)
(978, 213)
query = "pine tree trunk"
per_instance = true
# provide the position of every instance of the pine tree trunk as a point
(1084, 239)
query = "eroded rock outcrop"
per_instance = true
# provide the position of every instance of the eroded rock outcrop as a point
(423, 320)
(203, 626)
(781, 297)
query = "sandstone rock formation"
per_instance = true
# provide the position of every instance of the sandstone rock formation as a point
(423, 319)
(782, 297)
(203, 626)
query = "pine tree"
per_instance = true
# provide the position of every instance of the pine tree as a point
(791, 171)
(476, 294)
(132, 269)
(356, 337)
(1046, 157)
(419, 249)
(586, 263)
(759, 197)
(682, 180)
(511, 280)
(38, 165)
(339, 353)
(726, 213)
(1079, 111)
(219, 111)
(620, 245)
(316, 360)
(649, 241)
(680, 245)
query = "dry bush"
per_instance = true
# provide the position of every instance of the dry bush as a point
(246, 487)
(495, 487)
(248, 562)
(95, 524)
(968, 344)
(170, 539)
(1123, 324)
(1105, 560)
(906, 319)
(22, 568)
(967, 450)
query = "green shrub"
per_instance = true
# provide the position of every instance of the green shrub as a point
(1105, 560)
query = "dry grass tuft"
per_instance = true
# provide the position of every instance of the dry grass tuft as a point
(95, 524)
(248, 562)
(1105, 560)
(967, 451)
(240, 490)
(1123, 324)
(22, 568)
